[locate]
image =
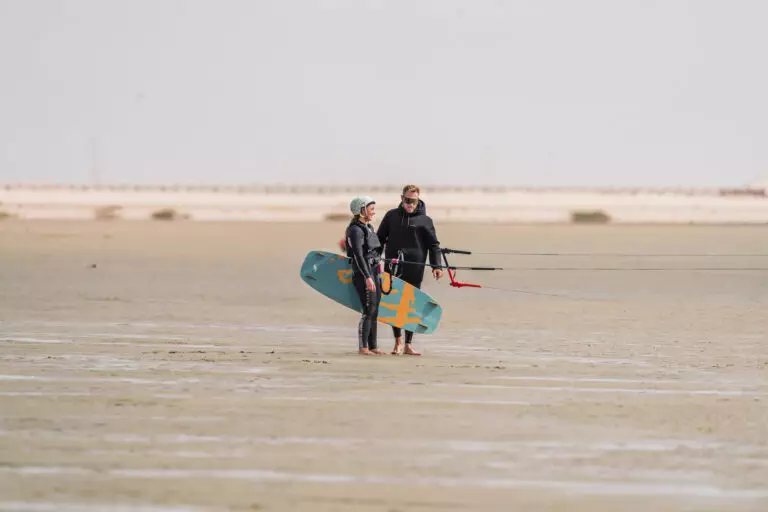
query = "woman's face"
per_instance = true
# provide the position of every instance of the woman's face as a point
(370, 211)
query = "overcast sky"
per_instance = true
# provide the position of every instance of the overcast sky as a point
(539, 92)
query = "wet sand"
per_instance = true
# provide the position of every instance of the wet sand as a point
(185, 366)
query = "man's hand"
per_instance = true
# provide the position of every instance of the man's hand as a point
(370, 285)
(437, 272)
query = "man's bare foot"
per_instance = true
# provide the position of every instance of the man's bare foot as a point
(398, 350)
(365, 352)
(376, 352)
(409, 350)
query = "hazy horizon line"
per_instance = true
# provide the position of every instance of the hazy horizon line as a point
(369, 186)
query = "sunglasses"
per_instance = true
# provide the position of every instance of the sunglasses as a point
(409, 200)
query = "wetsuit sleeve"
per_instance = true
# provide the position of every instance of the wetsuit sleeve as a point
(431, 242)
(355, 241)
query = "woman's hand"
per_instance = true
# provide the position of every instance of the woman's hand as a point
(370, 285)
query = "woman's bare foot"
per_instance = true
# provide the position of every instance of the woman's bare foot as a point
(365, 352)
(409, 350)
(377, 352)
(398, 350)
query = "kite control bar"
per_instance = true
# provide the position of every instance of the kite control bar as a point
(450, 268)
(453, 251)
(452, 271)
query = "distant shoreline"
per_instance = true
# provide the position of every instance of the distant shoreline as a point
(317, 203)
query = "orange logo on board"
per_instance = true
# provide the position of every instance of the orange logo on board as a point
(345, 276)
(403, 308)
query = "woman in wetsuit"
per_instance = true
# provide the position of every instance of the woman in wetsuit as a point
(364, 249)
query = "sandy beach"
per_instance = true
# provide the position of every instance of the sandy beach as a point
(168, 366)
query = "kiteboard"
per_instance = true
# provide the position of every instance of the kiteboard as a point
(405, 306)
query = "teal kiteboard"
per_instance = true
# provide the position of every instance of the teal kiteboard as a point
(405, 306)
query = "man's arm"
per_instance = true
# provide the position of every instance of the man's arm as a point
(383, 231)
(431, 242)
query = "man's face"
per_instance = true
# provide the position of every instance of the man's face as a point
(410, 201)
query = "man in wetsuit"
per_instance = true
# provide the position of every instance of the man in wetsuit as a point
(408, 233)
(364, 249)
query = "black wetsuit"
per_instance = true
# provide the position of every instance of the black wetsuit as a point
(411, 237)
(364, 248)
